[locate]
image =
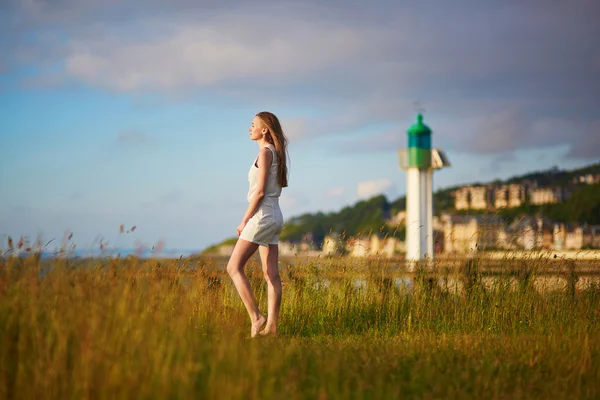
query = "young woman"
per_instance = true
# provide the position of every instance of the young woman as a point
(262, 223)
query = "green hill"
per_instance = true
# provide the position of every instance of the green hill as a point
(371, 216)
(555, 176)
(582, 207)
(364, 217)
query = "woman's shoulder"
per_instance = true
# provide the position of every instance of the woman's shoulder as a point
(264, 151)
(266, 154)
(269, 147)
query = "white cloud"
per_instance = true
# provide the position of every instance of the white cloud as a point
(221, 50)
(295, 128)
(358, 67)
(367, 189)
(503, 132)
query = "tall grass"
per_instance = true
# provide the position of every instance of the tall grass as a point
(131, 328)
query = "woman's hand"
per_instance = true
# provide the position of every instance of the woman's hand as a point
(241, 227)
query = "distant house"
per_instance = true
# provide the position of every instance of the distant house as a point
(486, 197)
(374, 246)
(358, 247)
(572, 237)
(463, 234)
(501, 197)
(286, 249)
(392, 246)
(472, 198)
(479, 198)
(508, 196)
(522, 233)
(332, 245)
(545, 238)
(591, 237)
(548, 195)
(398, 219)
(516, 195)
(462, 198)
(588, 179)
(289, 249)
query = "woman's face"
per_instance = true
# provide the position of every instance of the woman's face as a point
(257, 129)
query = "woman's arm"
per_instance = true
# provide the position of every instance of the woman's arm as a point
(265, 159)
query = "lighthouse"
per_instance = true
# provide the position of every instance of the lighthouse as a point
(419, 161)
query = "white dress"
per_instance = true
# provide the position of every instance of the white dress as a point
(266, 224)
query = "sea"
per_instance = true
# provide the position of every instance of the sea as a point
(110, 253)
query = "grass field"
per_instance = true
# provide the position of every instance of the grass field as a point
(130, 328)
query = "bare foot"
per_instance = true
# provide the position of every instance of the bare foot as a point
(256, 325)
(269, 331)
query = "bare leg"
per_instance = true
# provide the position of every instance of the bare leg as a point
(269, 257)
(242, 252)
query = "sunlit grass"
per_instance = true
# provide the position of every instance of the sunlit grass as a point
(131, 328)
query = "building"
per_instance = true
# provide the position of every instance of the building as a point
(479, 198)
(588, 179)
(568, 237)
(463, 234)
(472, 198)
(305, 249)
(398, 219)
(573, 237)
(332, 245)
(522, 233)
(545, 237)
(549, 195)
(374, 246)
(501, 197)
(516, 195)
(509, 196)
(591, 237)
(462, 198)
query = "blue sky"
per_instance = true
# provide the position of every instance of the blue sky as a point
(136, 113)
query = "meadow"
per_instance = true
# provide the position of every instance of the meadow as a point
(111, 328)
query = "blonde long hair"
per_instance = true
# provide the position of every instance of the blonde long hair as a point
(276, 137)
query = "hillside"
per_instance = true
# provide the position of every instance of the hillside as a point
(582, 207)
(372, 215)
(361, 218)
(555, 176)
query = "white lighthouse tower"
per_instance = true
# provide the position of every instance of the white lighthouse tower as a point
(419, 161)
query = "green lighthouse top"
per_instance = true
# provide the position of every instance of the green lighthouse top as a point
(419, 128)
